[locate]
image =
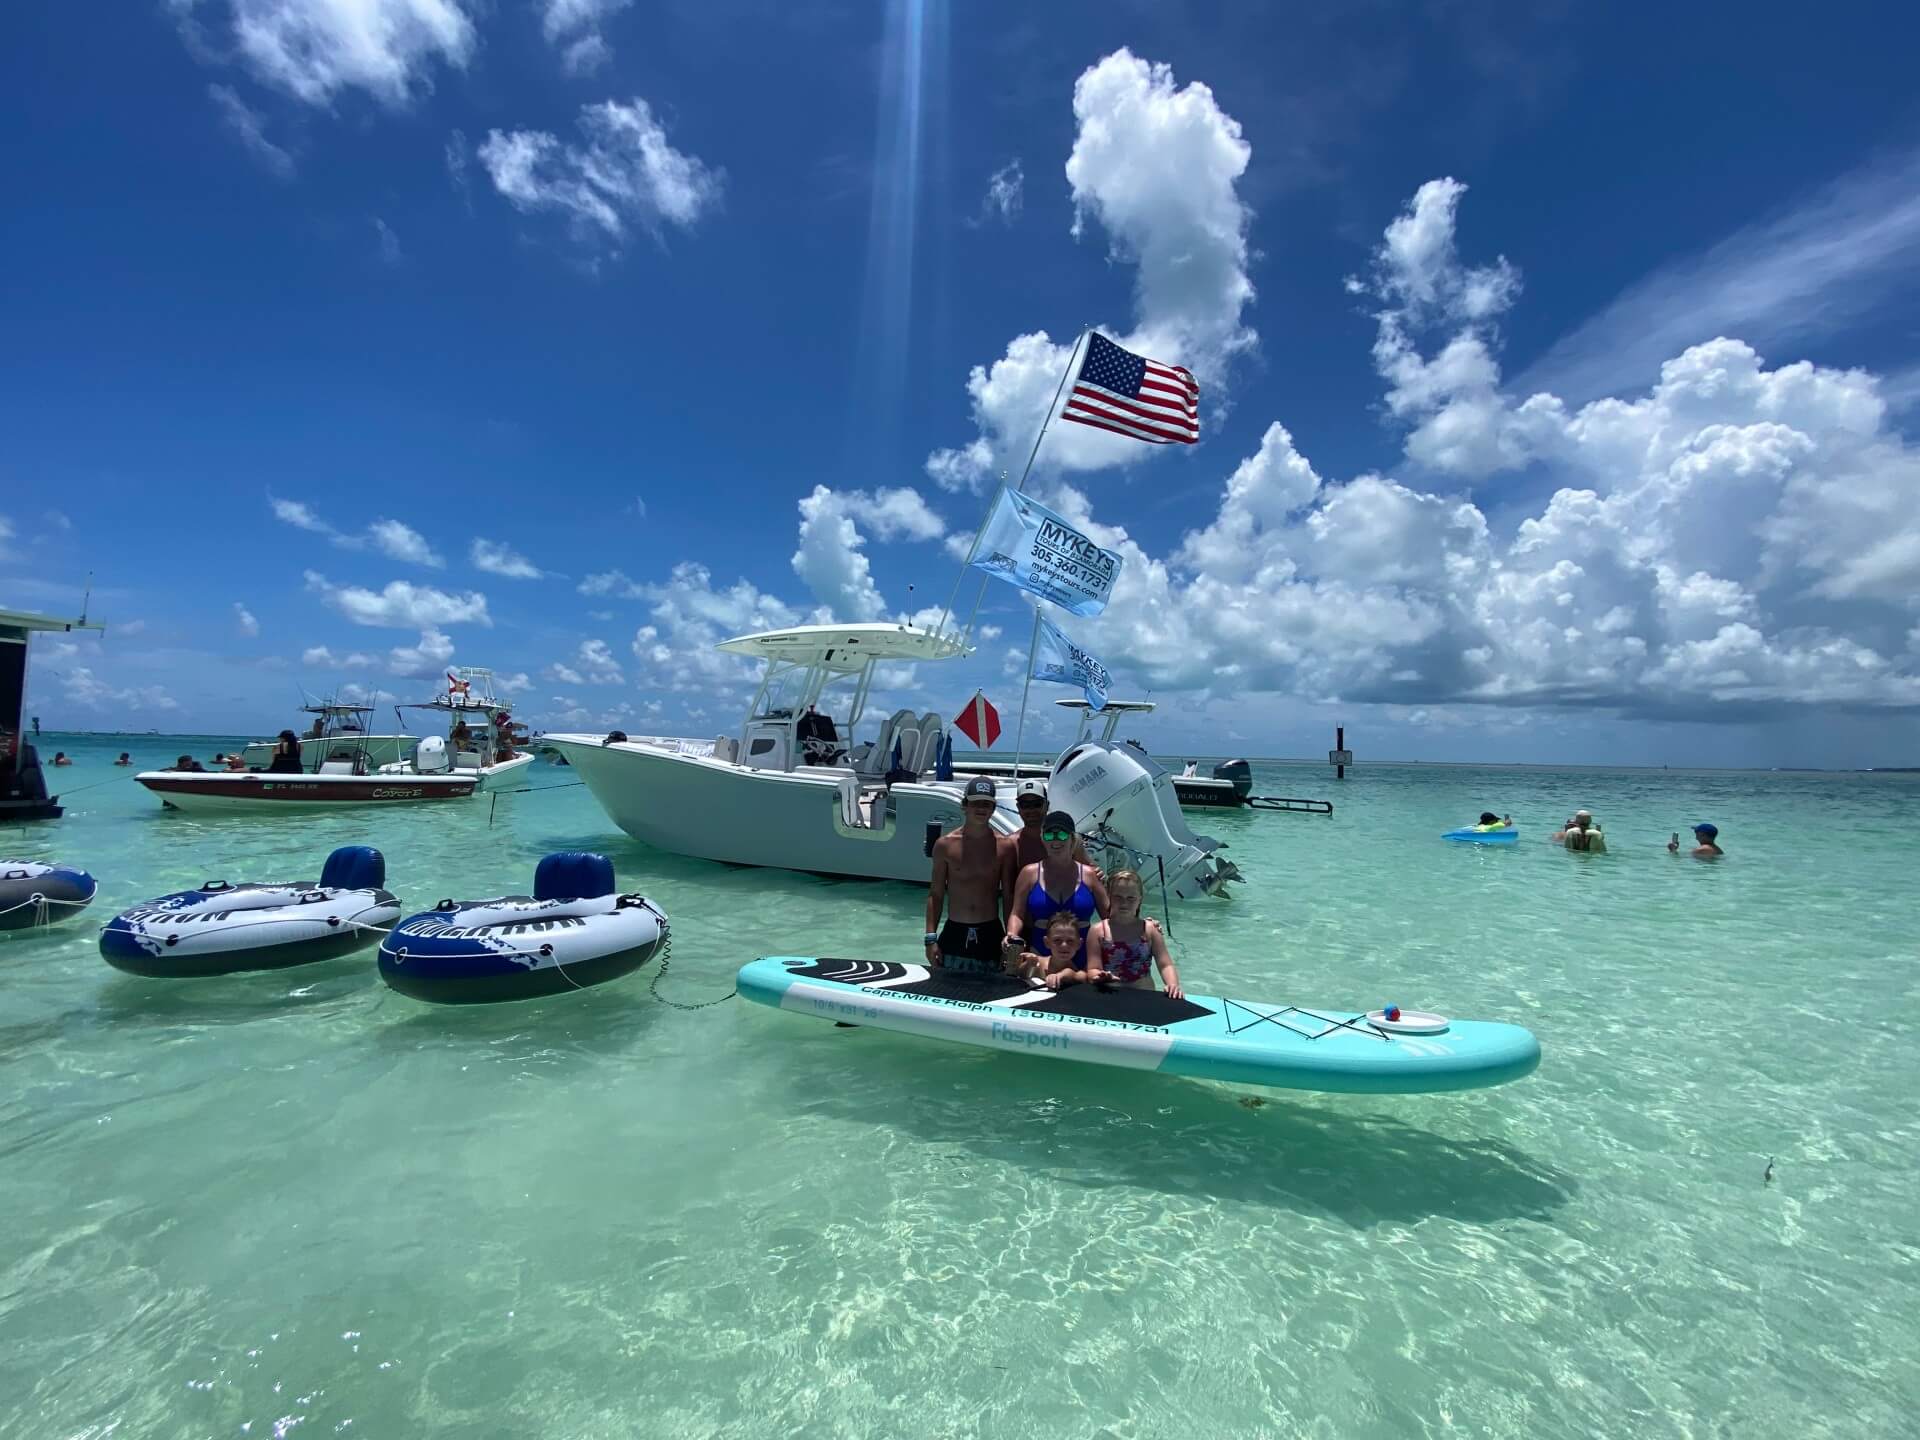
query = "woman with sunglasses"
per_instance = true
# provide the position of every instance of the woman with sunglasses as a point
(1058, 882)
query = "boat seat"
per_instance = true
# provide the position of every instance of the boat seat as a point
(336, 767)
(931, 732)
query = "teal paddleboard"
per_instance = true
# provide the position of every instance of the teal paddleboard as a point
(1245, 1042)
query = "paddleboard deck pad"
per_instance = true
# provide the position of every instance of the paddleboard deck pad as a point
(1242, 1042)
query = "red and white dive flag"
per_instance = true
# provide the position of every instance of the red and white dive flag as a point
(1131, 395)
(979, 722)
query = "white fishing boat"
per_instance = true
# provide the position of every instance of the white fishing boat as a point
(789, 792)
(335, 768)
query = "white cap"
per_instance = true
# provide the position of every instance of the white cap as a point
(1031, 787)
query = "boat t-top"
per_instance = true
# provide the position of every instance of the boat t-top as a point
(334, 768)
(796, 790)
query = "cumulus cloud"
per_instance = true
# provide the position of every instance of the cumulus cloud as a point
(591, 664)
(1156, 168)
(832, 556)
(498, 559)
(615, 583)
(401, 605)
(1736, 537)
(623, 173)
(249, 127)
(687, 618)
(403, 542)
(316, 49)
(428, 658)
(388, 241)
(573, 27)
(243, 618)
(82, 687)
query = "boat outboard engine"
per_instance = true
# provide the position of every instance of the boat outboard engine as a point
(430, 757)
(1123, 804)
(1239, 772)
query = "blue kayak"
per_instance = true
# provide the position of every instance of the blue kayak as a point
(1243, 1042)
(1485, 835)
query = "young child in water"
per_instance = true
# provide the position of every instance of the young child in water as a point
(1053, 963)
(1127, 946)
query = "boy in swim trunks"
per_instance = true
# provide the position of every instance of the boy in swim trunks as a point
(1053, 963)
(966, 884)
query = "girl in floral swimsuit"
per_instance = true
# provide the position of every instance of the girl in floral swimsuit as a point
(1128, 946)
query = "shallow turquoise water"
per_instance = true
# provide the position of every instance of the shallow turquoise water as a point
(299, 1203)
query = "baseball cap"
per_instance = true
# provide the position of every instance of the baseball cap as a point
(1707, 830)
(1030, 787)
(978, 787)
(1057, 820)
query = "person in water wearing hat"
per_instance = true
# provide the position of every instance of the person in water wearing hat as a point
(967, 886)
(1582, 834)
(1025, 847)
(1058, 882)
(1708, 847)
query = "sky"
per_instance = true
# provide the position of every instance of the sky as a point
(1560, 370)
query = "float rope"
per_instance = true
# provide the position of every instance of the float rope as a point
(350, 923)
(41, 903)
(493, 796)
(666, 961)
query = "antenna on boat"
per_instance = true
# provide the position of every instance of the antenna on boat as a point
(86, 598)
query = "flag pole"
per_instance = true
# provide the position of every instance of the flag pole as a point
(1020, 735)
(1045, 420)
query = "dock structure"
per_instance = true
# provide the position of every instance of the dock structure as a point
(23, 786)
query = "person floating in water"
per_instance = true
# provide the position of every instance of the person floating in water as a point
(966, 887)
(1490, 821)
(1708, 847)
(125, 759)
(60, 758)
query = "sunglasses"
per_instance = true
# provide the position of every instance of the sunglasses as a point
(1051, 836)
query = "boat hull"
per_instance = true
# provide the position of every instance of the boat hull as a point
(268, 794)
(712, 810)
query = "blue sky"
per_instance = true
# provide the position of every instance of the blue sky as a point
(346, 341)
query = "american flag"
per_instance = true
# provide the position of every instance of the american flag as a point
(1131, 395)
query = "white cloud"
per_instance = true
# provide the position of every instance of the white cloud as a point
(688, 617)
(315, 49)
(401, 605)
(1736, 536)
(428, 659)
(625, 173)
(82, 687)
(403, 542)
(592, 664)
(1157, 168)
(615, 583)
(832, 557)
(513, 684)
(1006, 189)
(389, 242)
(574, 28)
(249, 127)
(1818, 266)
(316, 655)
(499, 559)
(300, 515)
(243, 618)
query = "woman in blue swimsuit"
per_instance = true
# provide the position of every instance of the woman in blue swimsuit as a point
(1058, 882)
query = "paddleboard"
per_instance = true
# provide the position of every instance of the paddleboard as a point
(1473, 834)
(1244, 1042)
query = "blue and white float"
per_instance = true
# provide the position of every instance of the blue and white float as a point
(571, 933)
(1485, 834)
(1245, 1042)
(221, 929)
(33, 895)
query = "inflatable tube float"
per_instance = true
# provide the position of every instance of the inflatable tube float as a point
(572, 932)
(1244, 1042)
(221, 929)
(33, 895)
(1485, 834)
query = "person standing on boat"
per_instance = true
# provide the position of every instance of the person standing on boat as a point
(1059, 882)
(966, 884)
(286, 755)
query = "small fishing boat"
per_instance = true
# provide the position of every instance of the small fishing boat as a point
(221, 928)
(573, 932)
(34, 895)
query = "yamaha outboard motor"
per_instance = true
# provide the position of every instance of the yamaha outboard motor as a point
(1240, 773)
(1123, 803)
